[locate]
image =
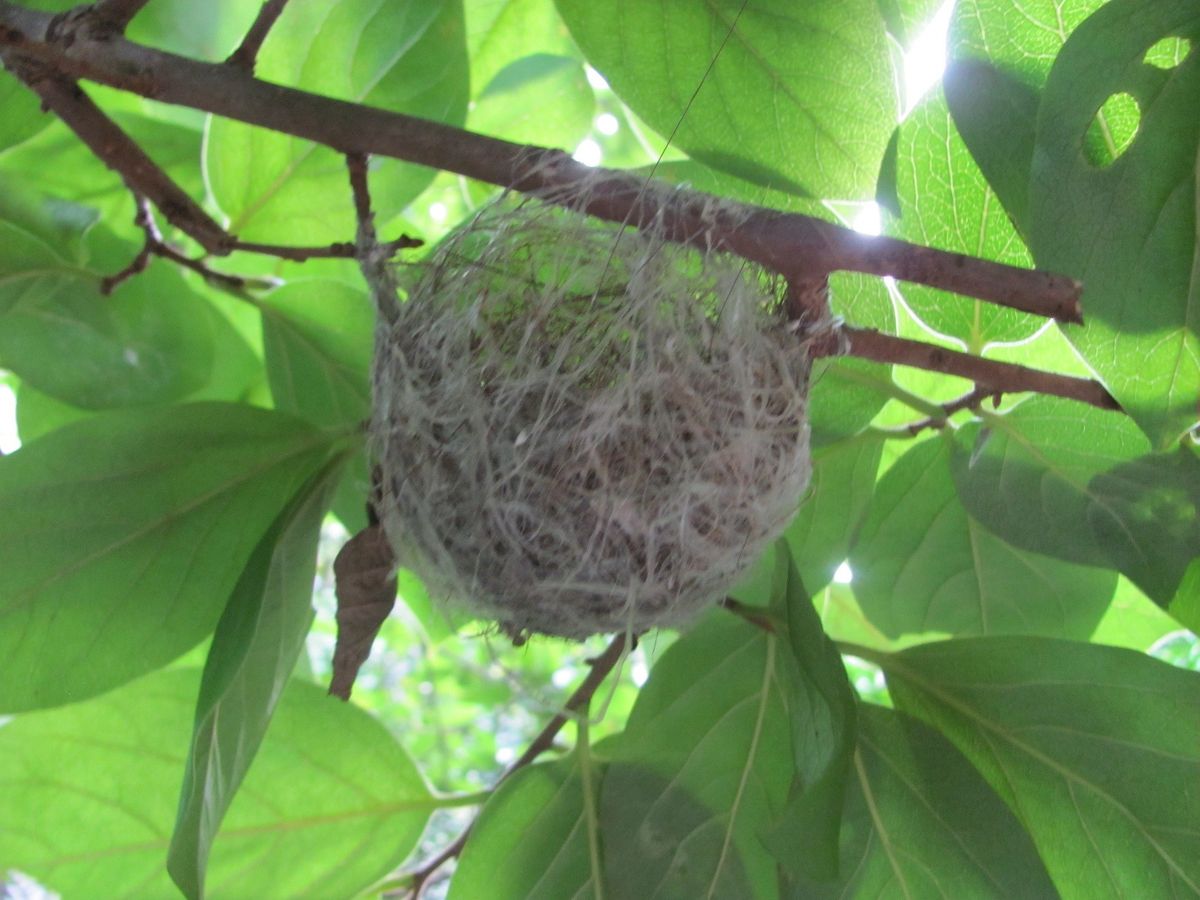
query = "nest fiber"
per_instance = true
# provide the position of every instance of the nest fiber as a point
(584, 428)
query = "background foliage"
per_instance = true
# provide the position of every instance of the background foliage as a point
(997, 695)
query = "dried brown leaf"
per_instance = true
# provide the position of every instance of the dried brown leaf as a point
(366, 593)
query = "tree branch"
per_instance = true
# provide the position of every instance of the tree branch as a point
(122, 154)
(990, 376)
(246, 55)
(797, 246)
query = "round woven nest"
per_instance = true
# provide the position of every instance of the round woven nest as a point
(585, 428)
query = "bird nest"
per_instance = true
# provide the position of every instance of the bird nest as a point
(582, 427)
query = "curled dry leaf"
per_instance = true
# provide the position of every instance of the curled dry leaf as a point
(366, 593)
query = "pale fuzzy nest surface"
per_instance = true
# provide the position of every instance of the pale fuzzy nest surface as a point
(583, 428)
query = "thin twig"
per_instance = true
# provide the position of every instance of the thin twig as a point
(794, 245)
(970, 400)
(601, 666)
(991, 376)
(246, 55)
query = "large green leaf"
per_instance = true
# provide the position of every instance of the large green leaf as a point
(703, 768)
(822, 709)
(331, 804)
(794, 96)
(1077, 484)
(1128, 229)
(402, 55)
(124, 534)
(253, 653)
(922, 563)
(920, 822)
(150, 341)
(1090, 746)
(946, 202)
(1000, 54)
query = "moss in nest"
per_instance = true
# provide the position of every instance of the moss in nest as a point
(584, 428)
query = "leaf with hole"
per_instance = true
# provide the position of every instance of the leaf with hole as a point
(1127, 228)
(125, 534)
(331, 804)
(1088, 745)
(796, 97)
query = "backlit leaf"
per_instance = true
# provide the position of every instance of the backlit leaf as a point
(945, 202)
(331, 804)
(406, 56)
(799, 97)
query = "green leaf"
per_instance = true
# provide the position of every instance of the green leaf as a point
(405, 56)
(1073, 483)
(1149, 524)
(124, 535)
(1128, 229)
(500, 33)
(904, 18)
(996, 115)
(843, 482)
(151, 341)
(702, 769)
(208, 31)
(797, 97)
(999, 56)
(540, 99)
(23, 116)
(331, 804)
(823, 710)
(920, 822)
(62, 166)
(847, 393)
(253, 654)
(946, 202)
(1088, 745)
(317, 340)
(923, 564)
(530, 841)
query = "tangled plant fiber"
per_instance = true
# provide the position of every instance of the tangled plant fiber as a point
(585, 428)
